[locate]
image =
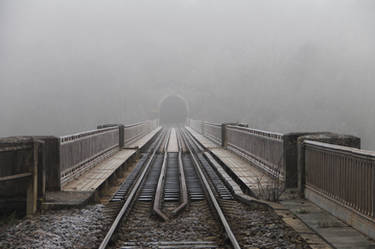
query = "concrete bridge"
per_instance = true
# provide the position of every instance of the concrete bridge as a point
(329, 170)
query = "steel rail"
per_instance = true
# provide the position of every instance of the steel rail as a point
(131, 198)
(211, 194)
(159, 189)
(164, 146)
(182, 144)
(183, 185)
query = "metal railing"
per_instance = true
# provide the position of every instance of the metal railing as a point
(342, 174)
(263, 148)
(80, 151)
(212, 131)
(136, 131)
(196, 125)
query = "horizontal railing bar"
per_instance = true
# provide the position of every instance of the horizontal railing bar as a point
(75, 136)
(87, 137)
(16, 147)
(339, 148)
(271, 138)
(14, 177)
(255, 131)
(136, 124)
(212, 124)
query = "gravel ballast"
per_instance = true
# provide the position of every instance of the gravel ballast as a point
(70, 228)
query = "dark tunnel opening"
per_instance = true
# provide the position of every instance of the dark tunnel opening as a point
(173, 111)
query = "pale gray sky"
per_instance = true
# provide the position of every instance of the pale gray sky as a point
(284, 65)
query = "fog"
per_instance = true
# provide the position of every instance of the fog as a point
(291, 65)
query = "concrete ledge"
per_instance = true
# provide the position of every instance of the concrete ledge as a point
(350, 217)
(67, 199)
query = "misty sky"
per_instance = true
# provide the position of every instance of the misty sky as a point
(291, 65)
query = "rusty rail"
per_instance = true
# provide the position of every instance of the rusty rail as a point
(342, 174)
(263, 148)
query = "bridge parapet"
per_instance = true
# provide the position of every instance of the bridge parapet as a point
(58, 159)
(212, 131)
(196, 125)
(274, 153)
(343, 174)
(136, 131)
(331, 169)
(81, 151)
(264, 149)
(20, 165)
(269, 151)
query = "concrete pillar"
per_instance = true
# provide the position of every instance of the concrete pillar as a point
(121, 132)
(42, 170)
(105, 187)
(224, 138)
(32, 189)
(290, 162)
(51, 163)
(121, 171)
(121, 136)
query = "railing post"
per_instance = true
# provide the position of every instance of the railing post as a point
(121, 128)
(32, 190)
(42, 169)
(224, 138)
(290, 159)
(52, 163)
(301, 167)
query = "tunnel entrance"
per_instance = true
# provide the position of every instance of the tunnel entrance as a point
(173, 110)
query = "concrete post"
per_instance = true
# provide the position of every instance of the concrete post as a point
(121, 136)
(290, 162)
(137, 155)
(51, 163)
(32, 190)
(42, 170)
(224, 138)
(121, 128)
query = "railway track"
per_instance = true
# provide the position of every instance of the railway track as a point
(177, 200)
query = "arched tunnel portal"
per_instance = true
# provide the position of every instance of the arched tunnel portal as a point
(173, 110)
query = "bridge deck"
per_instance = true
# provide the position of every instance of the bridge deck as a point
(253, 178)
(95, 177)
